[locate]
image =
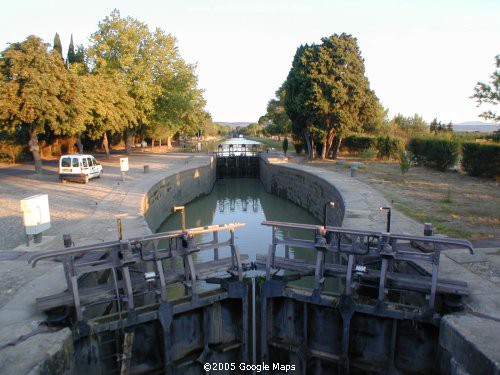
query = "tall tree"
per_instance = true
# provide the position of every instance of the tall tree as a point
(105, 107)
(58, 45)
(327, 91)
(70, 57)
(121, 51)
(276, 120)
(37, 91)
(485, 93)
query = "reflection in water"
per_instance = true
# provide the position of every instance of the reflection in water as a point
(244, 201)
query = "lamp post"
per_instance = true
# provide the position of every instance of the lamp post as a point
(388, 221)
(325, 209)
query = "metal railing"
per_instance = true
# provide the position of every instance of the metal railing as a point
(119, 256)
(387, 248)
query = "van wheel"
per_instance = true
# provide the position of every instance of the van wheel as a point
(86, 179)
(99, 175)
(62, 180)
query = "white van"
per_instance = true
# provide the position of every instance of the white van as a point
(78, 167)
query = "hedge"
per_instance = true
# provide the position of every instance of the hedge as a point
(435, 152)
(388, 147)
(481, 159)
(358, 143)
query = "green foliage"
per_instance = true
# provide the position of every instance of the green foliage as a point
(489, 94)
(71, 57)
(327, 91)
(276, 121)
(407, 127)
(356, 143)
(299, 147)
(480, 159)
(254, 129)
(388, 147)
(162, 85)
(435, 152)
(404, 161)
(368, 153)
(58, 45)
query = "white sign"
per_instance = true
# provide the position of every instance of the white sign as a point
(123, 164)
(36, 214)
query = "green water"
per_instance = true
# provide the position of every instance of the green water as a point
(244, 201)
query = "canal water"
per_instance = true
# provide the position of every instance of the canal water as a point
(244, 201)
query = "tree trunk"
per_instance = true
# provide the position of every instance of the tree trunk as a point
(337, 148)
(324, 150)
(152, 143)
(169, 141)
(79, 144)
(35, 150)
(329, 141)
(105, 144)
(128, 143)
(159, 143)
(310, 145)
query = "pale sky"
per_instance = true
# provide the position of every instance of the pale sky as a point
(421, 56)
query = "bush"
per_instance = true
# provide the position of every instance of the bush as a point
(299, 147)
(481, 159)
(388, 146)
(358, 143)
(404, 161)
(435, 152)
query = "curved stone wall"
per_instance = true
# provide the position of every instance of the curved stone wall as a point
(176, 190)
(307, 190)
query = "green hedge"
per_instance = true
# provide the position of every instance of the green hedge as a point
(358, 143)
(480, 159)
(435, 152)
(388, 147)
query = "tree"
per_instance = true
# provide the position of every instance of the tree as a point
(70, 57)
(285, 145)
(58, 45)
(121, 50)
(407, 127)
(276, 120)
(489, 94)
(105, 108)
(162, 85)
(327, 91)
(37, 91)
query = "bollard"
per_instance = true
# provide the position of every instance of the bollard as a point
(354, 171)
(38, 237)
(428, 230)
(67, 240)
(146, 169)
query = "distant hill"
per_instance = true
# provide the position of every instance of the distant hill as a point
(233, 124)
(476, 126)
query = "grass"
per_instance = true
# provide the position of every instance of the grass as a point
(456, 204)
(441, 226)
(278, 145)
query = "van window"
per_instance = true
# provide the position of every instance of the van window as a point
(84, 162)
(89, 161)
(75, 163)
(65, 162)
(93, 162)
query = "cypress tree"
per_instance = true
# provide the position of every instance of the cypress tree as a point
(71, 57)
(58, 45)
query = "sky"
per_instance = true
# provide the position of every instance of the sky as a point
(421, 56)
